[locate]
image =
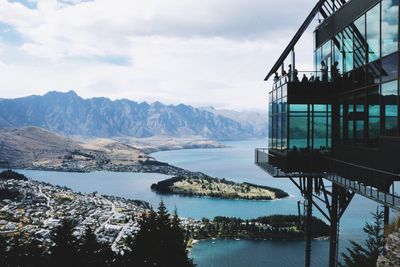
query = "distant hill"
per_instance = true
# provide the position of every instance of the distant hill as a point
(34, 147)
(30, 147)
(69, 114)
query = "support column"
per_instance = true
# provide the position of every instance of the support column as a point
(309, 221)
(333, 242)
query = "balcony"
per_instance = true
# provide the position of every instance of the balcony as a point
(289, 163)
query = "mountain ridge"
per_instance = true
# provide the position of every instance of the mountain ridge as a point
(71, 115)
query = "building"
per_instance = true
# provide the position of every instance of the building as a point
(341, 123)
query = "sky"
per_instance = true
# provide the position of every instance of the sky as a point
(202, 53)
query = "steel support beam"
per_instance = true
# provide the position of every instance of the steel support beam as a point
(309, 195)
(333, 242)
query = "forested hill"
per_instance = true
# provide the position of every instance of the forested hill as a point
(69, 114)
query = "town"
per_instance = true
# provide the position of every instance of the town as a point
(35, 209)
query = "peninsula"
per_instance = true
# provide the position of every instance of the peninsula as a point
(213, 187)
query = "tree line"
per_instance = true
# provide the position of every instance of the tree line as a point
(275, 227)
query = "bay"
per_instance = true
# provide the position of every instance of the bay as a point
(235, 162)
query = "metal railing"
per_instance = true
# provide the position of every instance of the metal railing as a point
(262, 160)
(388, 199)
(305, 77)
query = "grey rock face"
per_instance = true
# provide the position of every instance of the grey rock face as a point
(69, 114)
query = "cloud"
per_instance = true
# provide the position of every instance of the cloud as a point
(200, 53)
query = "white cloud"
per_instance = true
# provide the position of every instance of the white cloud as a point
(201, 53)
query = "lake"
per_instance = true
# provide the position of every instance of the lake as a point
(236, 162)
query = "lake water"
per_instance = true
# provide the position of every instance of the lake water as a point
(235, 162)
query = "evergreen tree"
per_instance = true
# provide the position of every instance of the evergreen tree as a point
(89, 249)
(33, 253)
(64, 251)
(3, 251)
(368, 255)
(160, 241)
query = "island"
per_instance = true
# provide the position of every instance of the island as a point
(205, 186)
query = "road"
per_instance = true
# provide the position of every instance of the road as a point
(113, 212)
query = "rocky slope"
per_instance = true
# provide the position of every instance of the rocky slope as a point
(69, 114)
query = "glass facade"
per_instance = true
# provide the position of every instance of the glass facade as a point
(368, 63)
(299, 126)
(278, 118)
(366, 54)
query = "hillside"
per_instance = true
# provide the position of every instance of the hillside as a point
(31, 147)
(70, 115)
(37, 148)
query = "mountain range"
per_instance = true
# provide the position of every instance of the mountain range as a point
(71, 115)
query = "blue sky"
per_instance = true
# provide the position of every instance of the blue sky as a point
(210, 52)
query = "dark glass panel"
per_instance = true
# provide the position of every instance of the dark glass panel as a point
(298, 126)
(318, 59)
(389, 93)
(350, 133)
(347, 49)
(359, 42)
(390, 18)
(391, 113)
(327, 59)
(390, 67)
(390, 88)
(359, 77)
(373, 33)
(338, 52)
(373, 73)
(373, 115)
(320, 131)
(359, 131)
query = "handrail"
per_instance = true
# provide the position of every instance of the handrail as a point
(364, 167)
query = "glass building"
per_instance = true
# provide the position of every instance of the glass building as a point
(349, 103)
(340, 122)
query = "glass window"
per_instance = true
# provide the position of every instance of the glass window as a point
(359, 42)
(338, 50)
(373, 73)
(390, 18)
(373, 33)
(359, 76)
(327, 59)
(390, 67)
(390, 88)
(298, 126)
(347, 36)
(373, 115)
(359, 133)
(389, 93)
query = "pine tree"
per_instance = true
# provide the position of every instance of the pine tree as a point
(64, 251)
(89, 249)
(160, 241)
(368, 255)
(3, 251)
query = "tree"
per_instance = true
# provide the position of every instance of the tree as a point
(89, 249)
(367, 256)
(160, 241)
(64, 251)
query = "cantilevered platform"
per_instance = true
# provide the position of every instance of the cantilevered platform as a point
(388, 199)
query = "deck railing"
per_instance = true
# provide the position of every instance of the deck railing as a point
(390, 199)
